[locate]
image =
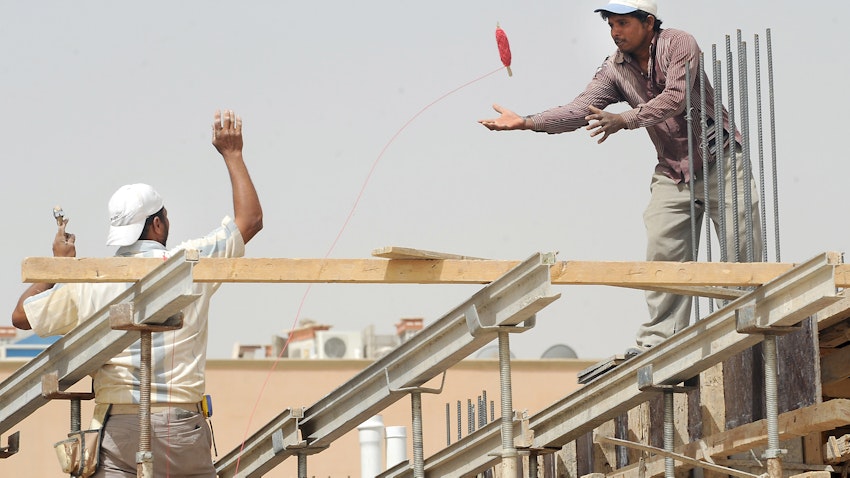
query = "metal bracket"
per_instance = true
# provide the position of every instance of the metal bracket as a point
(645, 383)
(279, 440)
(436, 391)
(476, 328)
(14, 442)
(121, 318)
(50, 389)
(746, 322)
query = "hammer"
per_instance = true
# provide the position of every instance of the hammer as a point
(59, 215)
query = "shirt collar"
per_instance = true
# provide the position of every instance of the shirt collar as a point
(139, 247)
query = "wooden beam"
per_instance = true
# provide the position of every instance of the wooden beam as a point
(417, 271)
(796, 423)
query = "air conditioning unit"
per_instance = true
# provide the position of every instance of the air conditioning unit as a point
(339, 345)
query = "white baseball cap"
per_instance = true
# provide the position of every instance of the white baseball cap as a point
(621, 7)
(129, 208)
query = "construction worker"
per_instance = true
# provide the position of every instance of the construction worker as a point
(181, 440)
(648, 71)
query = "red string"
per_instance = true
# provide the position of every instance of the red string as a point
(336, 240)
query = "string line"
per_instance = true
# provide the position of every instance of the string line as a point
(336, 240)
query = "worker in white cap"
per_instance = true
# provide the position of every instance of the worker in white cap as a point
(138, 224)
(648, 71)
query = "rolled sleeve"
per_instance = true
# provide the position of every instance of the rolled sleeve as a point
(53, 312)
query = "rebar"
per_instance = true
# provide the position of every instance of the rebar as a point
(470, 420)
(718, 149)
(733, 159)
(706, 203)
(459, 430)
(691, 180)
(448, 425)
(746, 166)
(773, 146)
(760, 137)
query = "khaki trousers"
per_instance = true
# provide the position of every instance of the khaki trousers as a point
(669, 237)
(181, 442)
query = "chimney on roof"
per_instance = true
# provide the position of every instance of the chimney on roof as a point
(408, 327)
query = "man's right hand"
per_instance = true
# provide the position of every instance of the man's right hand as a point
(507, 121)
(227, 133)
(63, 242)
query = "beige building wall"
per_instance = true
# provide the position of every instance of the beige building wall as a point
(249, 393)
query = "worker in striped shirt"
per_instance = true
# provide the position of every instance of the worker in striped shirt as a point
(648, 71)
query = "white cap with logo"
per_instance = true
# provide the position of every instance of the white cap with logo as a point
(129, 208)
(621, 7)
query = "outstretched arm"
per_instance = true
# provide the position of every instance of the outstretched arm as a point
(63, 246)
(227, 139)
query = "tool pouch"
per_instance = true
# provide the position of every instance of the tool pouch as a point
(79, 454)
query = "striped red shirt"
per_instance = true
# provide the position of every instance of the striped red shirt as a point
(657, 101)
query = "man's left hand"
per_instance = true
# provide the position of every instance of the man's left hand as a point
(605, 123)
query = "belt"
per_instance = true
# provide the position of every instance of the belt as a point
(133, 408)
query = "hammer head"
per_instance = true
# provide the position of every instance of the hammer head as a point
(59, 215)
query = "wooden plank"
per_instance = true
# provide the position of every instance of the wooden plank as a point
(796, 423)
(711, 406)
(392, 252)
(834, 336)
(835, 367)
(839, 389)
(837, 449)
(416, 271)
(813, 448)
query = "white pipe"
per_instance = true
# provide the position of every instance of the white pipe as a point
(370, 446)
(396, 445)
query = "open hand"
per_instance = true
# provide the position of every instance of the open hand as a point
(605, 123)
(508, 120)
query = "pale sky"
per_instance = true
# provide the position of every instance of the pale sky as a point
(100, 94)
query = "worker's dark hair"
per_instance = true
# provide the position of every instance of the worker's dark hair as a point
(640, 15)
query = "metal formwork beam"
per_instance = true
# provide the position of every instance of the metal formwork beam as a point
(785, 301)
(163, 292)
(509, 301)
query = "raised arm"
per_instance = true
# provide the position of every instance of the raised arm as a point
(227, 139)
(63, 246)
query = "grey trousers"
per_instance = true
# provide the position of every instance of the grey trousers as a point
(181, 442)
(669, 238)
